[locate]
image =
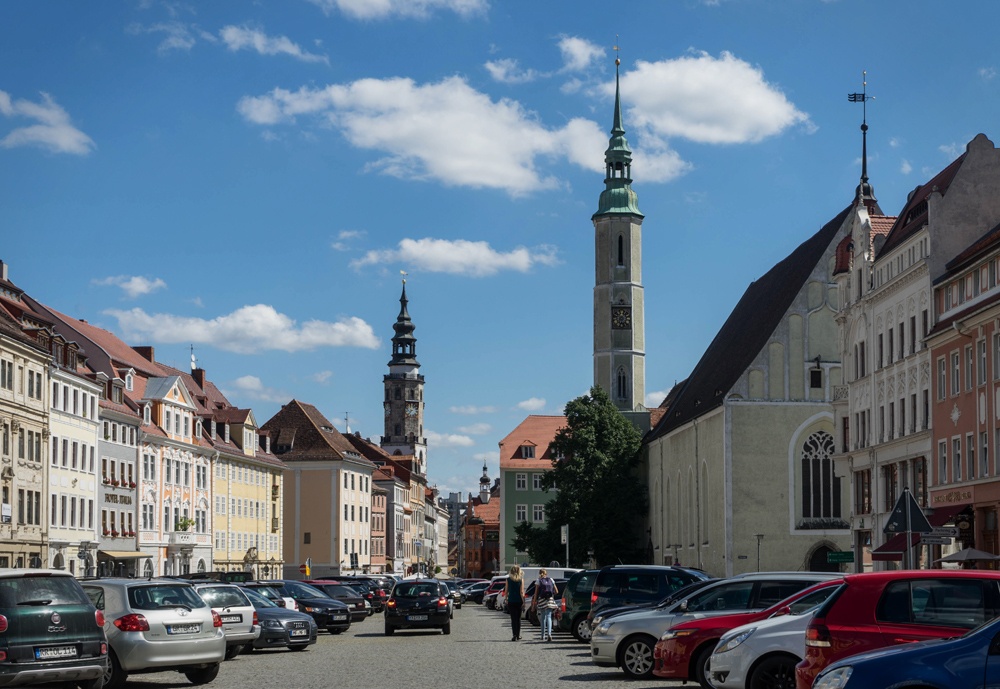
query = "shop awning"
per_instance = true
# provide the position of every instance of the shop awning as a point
(892, 550)
(121, 554)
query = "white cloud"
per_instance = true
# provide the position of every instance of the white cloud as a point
(247, 330)
(571, 86)
(251, 387)
(344, 236)
(532, 404)
(240, 37)
(905, 167)
(459, 257)
(178, 36)
(987, 73)
(445, 131)
(579, 53)
(321, 377)
(197, 302)
(506, 71)
(380, 9)
(654, 399)
(136, 285)
(475, 429)
(952, 150)
(706, 99)
(53, 130)
(894, 142)
(471, 409)
(448, 440)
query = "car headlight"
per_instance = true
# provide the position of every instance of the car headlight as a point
(834, 679)
(603, 628)
(675, 634)
(735, 641)
(598, 620)
(308, 609)
(270, 624)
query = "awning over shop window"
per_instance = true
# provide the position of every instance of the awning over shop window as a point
(120, 555)
(892, 550)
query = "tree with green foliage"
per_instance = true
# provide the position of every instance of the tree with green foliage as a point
(599, 492)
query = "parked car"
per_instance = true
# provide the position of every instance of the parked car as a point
(764, 653)
(878, 609)
(491, 593)
(457, 596)
(624, 585)
(239, 618)
(157, 625)
(675, 597)
(371, 589)
(575, 604)
(532, 615)
(968, 662)
(684, 650)
(330, 614)
(416, 604)
(628, 640)
(49, 629)
(469, 582)
(476, 591)
(345, 594)
(280, 627)
(271, 593)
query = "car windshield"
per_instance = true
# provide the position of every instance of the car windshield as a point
(159, 596)
(416, 590)
(258, 600)
(41, 590)
(223, 596)
(296, 590)
(339, 590)
(809, 601)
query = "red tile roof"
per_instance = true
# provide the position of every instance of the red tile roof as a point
(946, 322)
(537, 430)
(315, 437)
(881, 226)
(981, 245)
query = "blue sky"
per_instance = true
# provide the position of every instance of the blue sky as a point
(251, 177)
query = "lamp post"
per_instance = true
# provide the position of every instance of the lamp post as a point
(759, 537)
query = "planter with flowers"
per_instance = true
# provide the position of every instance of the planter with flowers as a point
(115, 482)
(106, 533)
(131, 484)
(106, 480)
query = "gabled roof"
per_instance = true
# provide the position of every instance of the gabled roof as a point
(747, 330)
(315, 437)
(656, 414)
(159, 389)
(536, 430)
(881, 226)
(981, 245)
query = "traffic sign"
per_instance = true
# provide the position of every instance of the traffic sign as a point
(907, 517)
(304, 569)
(945, 532)
(935, 540)
(839, 557)
(564, 534)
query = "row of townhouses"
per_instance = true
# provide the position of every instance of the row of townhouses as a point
(112, 463)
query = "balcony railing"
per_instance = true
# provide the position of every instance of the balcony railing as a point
(840, 392)
(274, 524)
(404, 376)
(180, 538)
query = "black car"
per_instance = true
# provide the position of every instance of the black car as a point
(677, 595)
(625, 585)
(371, 589)
(262, 589)
(532, 615)
(456, 596)
(330, 614)
(345, 594)
(477, 591)
(280, 627)
(417, 604)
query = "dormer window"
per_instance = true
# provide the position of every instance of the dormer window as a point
(212, 429)
(128, 382)
(226, 437)
(116, 394)
(527, 452)
(147, 414)
(197, 428)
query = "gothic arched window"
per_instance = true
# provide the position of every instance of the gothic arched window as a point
(621, 387)
(820, 488)
(621, 250)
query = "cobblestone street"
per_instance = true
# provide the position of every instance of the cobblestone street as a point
(479, 649)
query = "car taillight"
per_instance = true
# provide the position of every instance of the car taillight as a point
(442, 602)
(593, 598)
(216, 620)
(99, 617)
(818, 636)
(255, 623)
(3, 624)
(391, 603)
(562, 605)
(3, 655)
(104, 649)
(132, 623)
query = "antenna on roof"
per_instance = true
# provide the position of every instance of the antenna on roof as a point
(193, 360)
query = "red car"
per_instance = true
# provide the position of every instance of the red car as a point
(879, 609)
(683, 651)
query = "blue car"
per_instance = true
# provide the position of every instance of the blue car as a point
(971, 661)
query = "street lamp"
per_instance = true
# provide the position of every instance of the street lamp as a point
(759, 537)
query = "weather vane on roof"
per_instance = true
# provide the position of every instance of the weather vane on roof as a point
(864, 189)
(862, 98)
(404, 274)
(617, 54)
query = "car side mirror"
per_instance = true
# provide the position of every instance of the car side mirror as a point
(281, 604)
(783, 611)
(683, 607)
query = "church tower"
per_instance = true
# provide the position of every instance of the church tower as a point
(619, 334)
(404, 394)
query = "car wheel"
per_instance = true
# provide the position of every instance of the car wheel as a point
(203, 675)
(334, 630)
(700, 668)
(636, 656)
(581, 629)
(389, 630)
(446, 629)
(233, 651)
(774, 673)
(114, 676)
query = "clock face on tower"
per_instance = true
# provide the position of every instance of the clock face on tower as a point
(388, 410)
(411, 410)
(621, 318)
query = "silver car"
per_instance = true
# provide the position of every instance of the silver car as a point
(239, 617)
(156, 625)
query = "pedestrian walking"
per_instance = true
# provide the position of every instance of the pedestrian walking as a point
(513, 591)
(544, 601)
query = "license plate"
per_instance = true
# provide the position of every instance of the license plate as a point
(232, 618)
(183, 629)
(300, 632)
(56, 652)
(416, 618)
(339, 618)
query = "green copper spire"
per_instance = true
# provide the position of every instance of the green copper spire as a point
(618, 197)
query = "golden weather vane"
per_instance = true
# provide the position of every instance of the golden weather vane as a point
(617, 54)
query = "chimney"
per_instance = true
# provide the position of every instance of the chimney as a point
(145, 353)
(199, 377)
(3, 270)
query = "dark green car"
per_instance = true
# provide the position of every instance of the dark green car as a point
(49, 631)
(577, 599)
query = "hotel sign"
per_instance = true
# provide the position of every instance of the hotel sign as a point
(952, 497)
(120, 499)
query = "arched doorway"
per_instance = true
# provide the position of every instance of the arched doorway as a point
(59, 562)
(818, 560)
